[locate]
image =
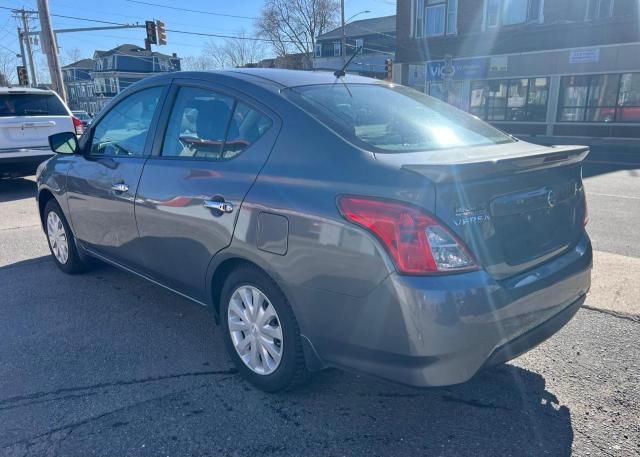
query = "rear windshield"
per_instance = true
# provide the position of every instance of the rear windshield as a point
(393, 118)
(31, 105)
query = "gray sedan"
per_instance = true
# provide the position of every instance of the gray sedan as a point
(328, 221)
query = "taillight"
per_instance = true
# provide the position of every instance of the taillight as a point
(77, 124)
(417, 242)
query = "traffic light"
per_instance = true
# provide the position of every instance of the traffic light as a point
(388, 66)
(152, 38)
(162, 33)
(23, 76)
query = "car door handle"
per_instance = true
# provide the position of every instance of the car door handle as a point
(120, 187)
(219, 206)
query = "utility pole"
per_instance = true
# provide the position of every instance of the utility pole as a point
(50, 48)
(24, 14)
(24, 57)
(343, 45)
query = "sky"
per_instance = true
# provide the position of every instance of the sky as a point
(127, 11)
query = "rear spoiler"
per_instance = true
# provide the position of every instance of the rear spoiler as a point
(551, 157)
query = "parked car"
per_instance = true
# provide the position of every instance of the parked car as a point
(84, 117)
(27, 118)
(328, 222)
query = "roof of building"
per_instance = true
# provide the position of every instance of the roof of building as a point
(82, 63)
(384, 24)
(130, 50)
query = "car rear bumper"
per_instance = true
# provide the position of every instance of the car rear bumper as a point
(434, 331)
(22, 162)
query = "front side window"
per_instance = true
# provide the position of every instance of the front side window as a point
(208, 125)
(318, 50)
(123, 130)
(392, 119)
(600, 98)
(510, 100)
(359, 44)
(336, 49)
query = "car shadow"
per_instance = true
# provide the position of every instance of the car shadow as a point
(504, 411)
(16, 189)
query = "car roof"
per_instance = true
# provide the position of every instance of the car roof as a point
(293, 78)
(24, 90)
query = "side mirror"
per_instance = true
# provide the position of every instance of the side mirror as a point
(64, 143)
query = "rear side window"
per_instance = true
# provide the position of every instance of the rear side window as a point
(207, 125)
(31, 105)
(247, 126)
(393, 118)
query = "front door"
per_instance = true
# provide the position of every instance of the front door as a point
(102, 181)
(191, 188)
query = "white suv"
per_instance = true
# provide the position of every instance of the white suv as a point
(27, 118)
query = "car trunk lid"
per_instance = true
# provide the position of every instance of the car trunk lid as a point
(515, 205)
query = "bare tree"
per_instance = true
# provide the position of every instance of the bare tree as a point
(293, 25)
(71, 55)
(8, 63)
(197, 63)
(234, 52)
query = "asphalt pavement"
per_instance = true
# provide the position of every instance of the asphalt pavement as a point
(107, 364)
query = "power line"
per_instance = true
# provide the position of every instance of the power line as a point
(192, 11)
(184, 32)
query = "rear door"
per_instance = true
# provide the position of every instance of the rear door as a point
(102, 182)
(27, 119)
(214, 144)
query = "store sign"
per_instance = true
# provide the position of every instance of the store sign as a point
(460, 69)
(499, 64)
(585, 56)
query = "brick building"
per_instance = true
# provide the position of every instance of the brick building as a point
(533, 67)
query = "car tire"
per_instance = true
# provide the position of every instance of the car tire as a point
(62, 243)
(291, 370)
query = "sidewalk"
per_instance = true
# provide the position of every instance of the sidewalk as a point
(615, 283)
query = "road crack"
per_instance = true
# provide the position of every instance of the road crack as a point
(37, 395)
(620, 315)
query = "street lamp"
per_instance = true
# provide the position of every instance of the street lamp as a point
(343, 45)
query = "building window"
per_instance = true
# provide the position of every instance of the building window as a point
(434, 17)
(512, 100)
(336, 49)
(600, 98)
(359, 44)
(599, 9)
(318, 50)
(512, 12)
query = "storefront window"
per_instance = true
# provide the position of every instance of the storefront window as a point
(454, 96)
(600, 98)
(510, 99)
(629, 98)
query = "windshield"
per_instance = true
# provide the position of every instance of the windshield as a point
(393, 118)
(31, 105)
